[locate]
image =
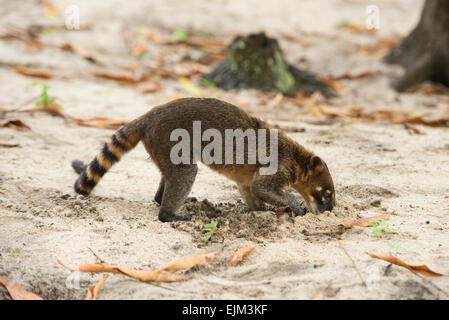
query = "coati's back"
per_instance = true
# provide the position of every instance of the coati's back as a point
(213, 114)
(155, 128)
(210, 114)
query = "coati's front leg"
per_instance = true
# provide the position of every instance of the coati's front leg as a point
(176, 186)
(269, 188)
(251, 200)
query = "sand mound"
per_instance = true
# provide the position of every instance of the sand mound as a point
(235, 220)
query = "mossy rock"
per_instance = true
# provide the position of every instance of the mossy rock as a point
(256, 61)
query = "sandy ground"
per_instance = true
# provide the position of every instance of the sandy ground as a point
(377, 167)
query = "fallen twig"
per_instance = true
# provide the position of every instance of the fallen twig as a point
(353, 263)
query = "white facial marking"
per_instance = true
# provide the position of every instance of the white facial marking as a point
(318, 189)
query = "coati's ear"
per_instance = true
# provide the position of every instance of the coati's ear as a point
(316, 164)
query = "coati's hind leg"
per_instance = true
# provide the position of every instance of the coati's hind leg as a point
(160, 192)
(251, 200)
(177, 185)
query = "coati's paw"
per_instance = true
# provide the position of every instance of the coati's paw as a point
(299, 210)
(175, 217)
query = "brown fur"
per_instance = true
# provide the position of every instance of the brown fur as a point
(298, 167)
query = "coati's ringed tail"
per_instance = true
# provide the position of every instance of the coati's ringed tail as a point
(122, 141)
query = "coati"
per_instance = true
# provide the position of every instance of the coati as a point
(298, 168)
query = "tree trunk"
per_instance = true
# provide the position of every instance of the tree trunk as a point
(425, 52)
(256, 61)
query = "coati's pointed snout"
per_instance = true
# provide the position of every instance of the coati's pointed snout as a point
(316, 207)
(326, 207)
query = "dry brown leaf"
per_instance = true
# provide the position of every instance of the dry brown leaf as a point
(52, 108)
(51, 10)
(412, 129)
(153, 37)
(316, 108)
(18, 34)
(34, 45)
(319, 296)
(422, 269)
(355, 28)
(276, 101)
(162, 73)
(158, 276)
(120, 78)
(403, 118)
(334, 112)
(16, 124)
(429, 123)
(348, 76)
(304, 100)
(329, 111)
(212, 45)
(429, 88)
(364, 222)
(299, 39)
(210, 58)
(150, 86)
(189, 69)
(139, 50)
(16, 292)
(189, 262)
(79, 51)
(91, 267)
(378, 54)
(334, 84)
(378, 50)
(33, 73)
(269, 100)
(8, 144)
(239, 254)
(92, 292)
(142, 275)
(100, 122)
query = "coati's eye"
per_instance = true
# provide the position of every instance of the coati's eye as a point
(319, 197)
(322, 197)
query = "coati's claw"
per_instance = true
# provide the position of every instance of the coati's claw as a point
(191, 199)
(176, 217)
